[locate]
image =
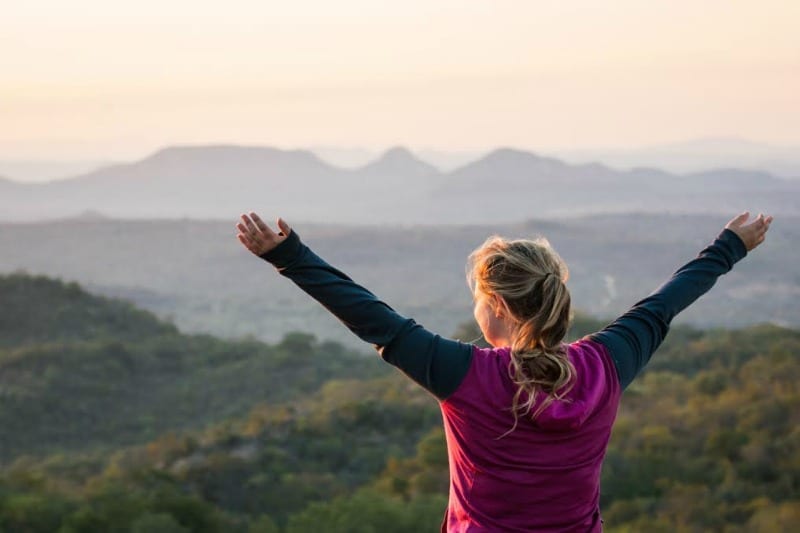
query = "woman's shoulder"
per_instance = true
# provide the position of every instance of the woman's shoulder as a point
(488, 371)
(595, 371)
(590, 353)
(503, 352)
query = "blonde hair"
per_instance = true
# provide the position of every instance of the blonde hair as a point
(530, 278)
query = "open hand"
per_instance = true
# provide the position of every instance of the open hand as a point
(752, 234)
(259, 238)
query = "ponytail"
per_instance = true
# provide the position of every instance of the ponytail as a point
(531, 279)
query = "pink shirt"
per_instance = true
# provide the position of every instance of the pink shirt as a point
(543, 476)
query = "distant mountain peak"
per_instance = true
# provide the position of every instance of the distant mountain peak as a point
(514, 153)
(181, 153)
(399, 159)
(398, 152)
(512, 158)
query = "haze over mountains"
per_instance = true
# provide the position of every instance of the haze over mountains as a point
(40, 170)
(197, 273)
(505, 185)
(698, 155)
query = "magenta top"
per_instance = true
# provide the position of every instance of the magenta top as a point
(552, 463)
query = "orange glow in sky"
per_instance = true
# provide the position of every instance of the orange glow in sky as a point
(90, 79)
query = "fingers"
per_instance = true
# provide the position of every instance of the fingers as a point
(249, 231)
(284, 227)
(249, 224)
(758, 225)
(256, 229)
(761, 223)
(250, 245)
(765, 222)
(257, 236)
(260, 224)
(250, 239)
(738, 220)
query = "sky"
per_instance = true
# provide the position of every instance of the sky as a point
(92, 79)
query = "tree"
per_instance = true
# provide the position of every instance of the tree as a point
(157, 523)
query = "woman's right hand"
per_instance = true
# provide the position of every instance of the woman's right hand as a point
(751, 234)
(259, 238)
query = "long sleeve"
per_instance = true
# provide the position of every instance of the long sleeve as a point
(438, 364)
(633, 337)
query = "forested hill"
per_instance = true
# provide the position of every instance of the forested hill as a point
(78, 371)
(38, 309)
(164, 432)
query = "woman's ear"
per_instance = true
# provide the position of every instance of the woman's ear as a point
(499, 306)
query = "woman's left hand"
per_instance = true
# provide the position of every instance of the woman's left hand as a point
(751, 234)
(259, 238)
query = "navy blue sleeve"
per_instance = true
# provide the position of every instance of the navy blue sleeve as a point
(633, 337)
(436, 363)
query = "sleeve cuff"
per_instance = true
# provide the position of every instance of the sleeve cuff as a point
(283, 255)
(735, 244)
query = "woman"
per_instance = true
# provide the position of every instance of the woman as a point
(528, 421)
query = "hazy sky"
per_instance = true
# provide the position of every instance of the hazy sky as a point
(98, 79)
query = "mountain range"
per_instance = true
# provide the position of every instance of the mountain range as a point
(506, 185)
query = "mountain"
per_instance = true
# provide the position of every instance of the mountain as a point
(511, 168)
(193, 181)
(508, 185)
(699, 155)
(398, 162)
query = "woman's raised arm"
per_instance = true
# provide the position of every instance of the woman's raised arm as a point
(436, 363)
(633, 337)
